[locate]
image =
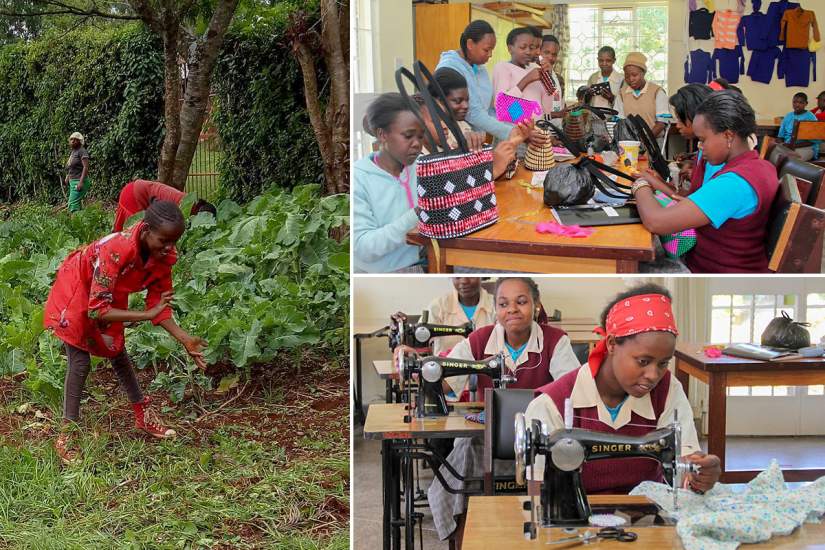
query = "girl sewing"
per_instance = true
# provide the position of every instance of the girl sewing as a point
(626, 388)
(731, 193)
(535, 354)
(88, 306)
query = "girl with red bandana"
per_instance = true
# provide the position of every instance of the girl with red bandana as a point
(626, 388)
(88, 306)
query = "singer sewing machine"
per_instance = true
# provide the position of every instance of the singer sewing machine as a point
(563, 499)
(418, 335)
(429, 400)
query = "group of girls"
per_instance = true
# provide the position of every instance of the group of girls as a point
(625, 386)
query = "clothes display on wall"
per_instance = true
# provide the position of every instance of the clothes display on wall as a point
(763, 64)
(725, 25)
(775, 13)
(700, 23)
(795, 67)
(754, 31)
(699, 69)
(729, 64)
(796, 26)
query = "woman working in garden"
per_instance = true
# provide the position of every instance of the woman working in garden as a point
(136, 196)
(88, 306)
(77, 172)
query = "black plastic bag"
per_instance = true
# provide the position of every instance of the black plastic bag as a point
(567, 184)
(784, 332)
(624, 131)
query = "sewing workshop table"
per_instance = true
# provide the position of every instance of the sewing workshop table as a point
(361, 331)
(726, 371)
(480, 533)
(387, 373)
(385, 422)
(512, 243)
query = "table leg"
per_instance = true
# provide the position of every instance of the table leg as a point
(717, 411)
(627, 266)
(409, 504)
(683, 377)
(359, 409)
(388, 396)
(386, 484)
(395, 497)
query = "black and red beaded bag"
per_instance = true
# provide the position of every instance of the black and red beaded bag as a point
(456, 193)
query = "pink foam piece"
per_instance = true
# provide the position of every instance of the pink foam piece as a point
(575, 231)
(713, 353)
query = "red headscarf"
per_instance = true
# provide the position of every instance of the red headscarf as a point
(633, 315)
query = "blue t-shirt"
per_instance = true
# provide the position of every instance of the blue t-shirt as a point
(715, 196)
(614, 411)
(469, 311)
(514, 353)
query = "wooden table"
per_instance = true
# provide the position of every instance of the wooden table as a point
(726, 371)
(386, 372)
(766, 126)
(506, 528)
(512, 243)
(385, 422)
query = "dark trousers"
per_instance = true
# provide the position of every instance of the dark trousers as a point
(79, 365)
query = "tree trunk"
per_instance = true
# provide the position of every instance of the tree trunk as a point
(196, 95)
(338, 119)
(171, 104)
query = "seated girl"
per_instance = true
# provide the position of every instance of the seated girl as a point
(384, 197)
(626, 388)
(731, 193)
(535, 354)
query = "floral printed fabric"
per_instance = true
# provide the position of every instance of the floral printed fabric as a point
(722, 518)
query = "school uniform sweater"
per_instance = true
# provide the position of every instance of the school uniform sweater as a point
(637, 416)
(738, 246)
(754, 30)
(795, 28)
(795, 67)
(700, 24)
(725, 24)
(731, 63)
(699, 68)
(763, 64)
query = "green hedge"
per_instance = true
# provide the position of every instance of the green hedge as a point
(261, 117)
(106, 84)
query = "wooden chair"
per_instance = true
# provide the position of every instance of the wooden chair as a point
(794, 241)
(809, 179)
(805, 131)
(500, 408)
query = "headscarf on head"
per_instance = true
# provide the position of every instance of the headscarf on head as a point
(78, 136)
(633, 315)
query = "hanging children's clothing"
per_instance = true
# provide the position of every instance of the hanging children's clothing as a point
(762, 64)
(774, 14)
(795, 28)
(795, 67)
(725, 24)
(753, 31)
(700, 24)
(731, 63)
(699, 69)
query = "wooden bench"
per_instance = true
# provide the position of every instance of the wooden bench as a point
(794, 241)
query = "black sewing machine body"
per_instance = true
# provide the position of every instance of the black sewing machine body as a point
(563, 497)
(430, 400)
(418, 335)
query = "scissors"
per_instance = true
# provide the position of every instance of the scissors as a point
(609, 533)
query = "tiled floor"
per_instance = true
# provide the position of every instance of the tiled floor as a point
(743, 453)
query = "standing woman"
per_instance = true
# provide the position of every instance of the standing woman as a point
(88, 306)
(535, 354)
(640, 97)
(520, 77)
(77, 172)
(477, 43)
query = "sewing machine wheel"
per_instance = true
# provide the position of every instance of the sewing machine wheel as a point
(520, 447)
(422, 335)
(431, 371)
(567, 454)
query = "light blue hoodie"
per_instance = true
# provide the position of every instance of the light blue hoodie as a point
(481, 114)
(382, 218)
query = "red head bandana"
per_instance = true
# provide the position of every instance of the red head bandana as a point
(634, 315)
(715, 86)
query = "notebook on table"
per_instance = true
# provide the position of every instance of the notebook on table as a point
(595, 215)
(755, 351)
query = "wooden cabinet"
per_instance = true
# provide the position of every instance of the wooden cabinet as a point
(438, 28)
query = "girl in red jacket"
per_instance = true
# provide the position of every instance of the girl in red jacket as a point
(88, 306)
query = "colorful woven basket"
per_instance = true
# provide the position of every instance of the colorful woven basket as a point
(675, 244)
(540, 157)
(515, 109)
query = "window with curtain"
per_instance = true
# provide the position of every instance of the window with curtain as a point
(638, 27)
(738, 318)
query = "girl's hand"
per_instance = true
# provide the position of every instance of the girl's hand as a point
(521, 132)
(475, 140)
(655, 181)
(537, 138)
(194, 347)
(503, 155)
(532, 76)
(165, 300)
(709, 473)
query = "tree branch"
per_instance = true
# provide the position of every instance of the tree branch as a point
(62, 8)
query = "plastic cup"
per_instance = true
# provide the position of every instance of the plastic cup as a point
(631, 152)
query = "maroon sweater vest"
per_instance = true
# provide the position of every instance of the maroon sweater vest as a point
(739, 245)
(533, 373)
(614, 476)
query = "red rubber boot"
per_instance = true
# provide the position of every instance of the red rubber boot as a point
(147, 420)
